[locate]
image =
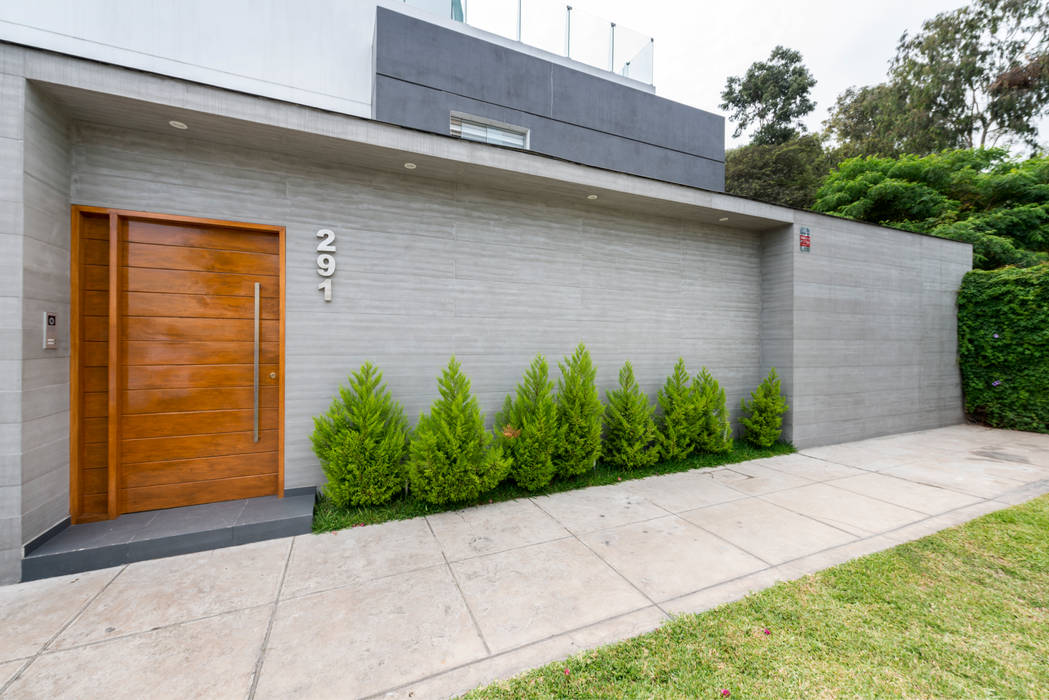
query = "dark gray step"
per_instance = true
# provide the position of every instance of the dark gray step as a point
(164, 533)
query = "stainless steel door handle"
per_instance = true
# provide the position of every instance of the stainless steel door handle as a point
(256, 362)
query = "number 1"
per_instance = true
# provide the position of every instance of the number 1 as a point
(326, 286)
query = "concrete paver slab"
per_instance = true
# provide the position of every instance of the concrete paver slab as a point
(161, 592)
(530, 593)
(210, 658)
(598, 507)
(474, 531)
(322, 562)
(758, 480)
(958, 475)
(682, 491)
(767, 531)
(808, 467)
(669, 557)
(930, 500)
(32, 613)
(861, 515)
(367, 637)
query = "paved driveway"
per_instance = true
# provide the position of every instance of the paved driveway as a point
(435, 606)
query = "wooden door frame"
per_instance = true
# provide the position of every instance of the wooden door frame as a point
(116, 217)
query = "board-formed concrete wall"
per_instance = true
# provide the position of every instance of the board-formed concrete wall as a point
(429, 268)
(874, 331)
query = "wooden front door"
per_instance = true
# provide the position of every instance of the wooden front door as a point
(191, 354)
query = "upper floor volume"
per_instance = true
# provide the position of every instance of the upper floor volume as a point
(527, 74)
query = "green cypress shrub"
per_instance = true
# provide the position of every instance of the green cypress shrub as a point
(527, 428)
(579, 413)
(713, 430)
(630, 430)
(766, 408)
(676, 429)
(361, 442)
(451, 456)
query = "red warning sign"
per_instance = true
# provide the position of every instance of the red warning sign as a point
(805, 239)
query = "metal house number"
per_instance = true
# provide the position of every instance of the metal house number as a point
(326, 260)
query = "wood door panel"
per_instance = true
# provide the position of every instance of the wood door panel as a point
(96, 278)
(94, 379)
(151, 425)
(96, 480)
(149, 352)
(200, 329)
(192, 446)
(199, 306)
(138, 279)
(96, 252)
(179, 258)
(174, 400)
(198, 376)
(199, 237)
(163, 354)
(96, 404)
(201, 469)
(197, 492)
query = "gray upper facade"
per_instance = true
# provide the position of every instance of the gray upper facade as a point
(425, 73)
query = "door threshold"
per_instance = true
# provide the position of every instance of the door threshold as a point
(163, 533)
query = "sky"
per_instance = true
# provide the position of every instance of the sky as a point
(699, 43)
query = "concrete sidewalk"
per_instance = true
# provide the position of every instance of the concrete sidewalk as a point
(438, 605)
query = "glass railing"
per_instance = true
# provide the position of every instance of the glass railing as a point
(553, 26)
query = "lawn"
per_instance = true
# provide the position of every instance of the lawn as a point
(962, 613)
(327, 516)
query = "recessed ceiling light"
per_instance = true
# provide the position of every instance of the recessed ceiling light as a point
(591, 196)
(724, 218)
(410, 166)
(177, 124)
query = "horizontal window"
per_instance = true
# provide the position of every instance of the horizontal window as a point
(485, 131)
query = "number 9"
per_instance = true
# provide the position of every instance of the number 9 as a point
(325, 264)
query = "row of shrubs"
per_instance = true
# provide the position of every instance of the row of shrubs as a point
(369, 453)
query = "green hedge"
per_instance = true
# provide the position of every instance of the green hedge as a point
(1003, 346)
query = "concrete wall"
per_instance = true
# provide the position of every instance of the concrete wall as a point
(12, 129)
(45, 287)
(424, 72)
(875, 331)
(428, 268)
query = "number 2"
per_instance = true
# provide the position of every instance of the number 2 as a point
(328, 244)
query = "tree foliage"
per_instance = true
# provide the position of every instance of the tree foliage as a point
(630, 430)
(773, 95)
(528, 429)
(763, 415)
(579, 413)
(981, 196)
(451, 457)
(788, 173)
(973, 77)
(361, 441)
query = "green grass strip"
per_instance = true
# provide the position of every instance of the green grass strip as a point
(962, 613)
(329, 517)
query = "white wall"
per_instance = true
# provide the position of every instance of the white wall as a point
(313, 52)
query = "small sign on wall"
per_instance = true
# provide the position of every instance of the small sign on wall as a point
(805, 239)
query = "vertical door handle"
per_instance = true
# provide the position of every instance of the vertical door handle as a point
(256, 363)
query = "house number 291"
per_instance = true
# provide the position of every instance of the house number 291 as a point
(326, 260)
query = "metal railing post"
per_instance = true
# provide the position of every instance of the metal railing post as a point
(612, 49)
(568, 31)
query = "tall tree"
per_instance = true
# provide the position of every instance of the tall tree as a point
(788, 173)
(972, 77)
(772, 94)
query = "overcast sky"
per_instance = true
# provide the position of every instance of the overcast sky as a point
(699, 43)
